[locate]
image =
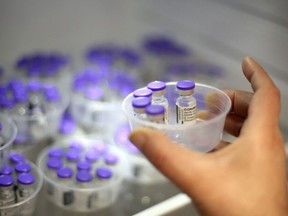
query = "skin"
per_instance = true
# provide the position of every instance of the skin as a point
(246, 177)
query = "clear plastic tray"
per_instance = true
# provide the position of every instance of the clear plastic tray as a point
(89, 197)
(212, 108)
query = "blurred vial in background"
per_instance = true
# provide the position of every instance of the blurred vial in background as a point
(115, 57)
(200, 71)
(45, 66)
(97, 94)
(158, 52)
(36, 108)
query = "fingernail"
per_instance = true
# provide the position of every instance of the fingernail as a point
(138, 138)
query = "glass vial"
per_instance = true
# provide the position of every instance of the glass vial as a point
(158, 90)
(186, 104)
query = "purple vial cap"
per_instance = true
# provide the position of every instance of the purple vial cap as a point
(185, 85)
(6, 170)
(76, 145)
(156, 85)
(34, 86)
(155, 109)
(26, 178)
(21, 97)
(23, 167)
(7, 103)
(1, 126)
(54, 163)
(67, 127)
(84, 165)
(93, 93)
(65, 172)
(15, 158)
(6, 180)
(111, 158)
(73, 155)
(56, 153)
(142, 93)
(141, 102)
(84, 176)
(92, 156)
(100, 147)
(103, 172)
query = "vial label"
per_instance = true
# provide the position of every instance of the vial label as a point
(185, 114)
(166, 115)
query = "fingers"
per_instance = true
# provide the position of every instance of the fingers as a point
(233, 124)
(240, 101)
(263, 113)
(169, 158)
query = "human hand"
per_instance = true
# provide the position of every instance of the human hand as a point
(246, 177)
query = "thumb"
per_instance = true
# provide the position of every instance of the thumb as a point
(170, 158)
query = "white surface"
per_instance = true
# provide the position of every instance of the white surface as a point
(166, 207)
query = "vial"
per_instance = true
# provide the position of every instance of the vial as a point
(102, 197)
(84, 165)
(64, 195)
(139, 104)
(142, 93)
(6, 170)
(7, 193)
(111, 159)
(56, 153)
(16, 158)
(83, 180)
(21, 101)
(186, 104)
(158, 90)
(52, 97)
(25, 190)
(23, 168)
(34, 89)
(155, 113)
(53, 164)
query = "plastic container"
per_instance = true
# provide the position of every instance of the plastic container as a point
(91, 187)
(203, 135)
(37, 117)
(27, 206)
(8, 131)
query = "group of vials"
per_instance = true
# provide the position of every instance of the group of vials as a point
(151, 104)
(16, 183)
